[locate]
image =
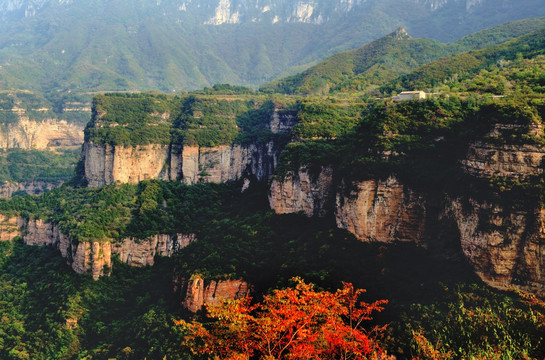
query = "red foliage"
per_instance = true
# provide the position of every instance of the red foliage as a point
(293, 323)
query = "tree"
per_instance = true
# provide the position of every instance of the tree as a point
(293, 323)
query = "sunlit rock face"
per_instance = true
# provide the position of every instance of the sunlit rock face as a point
(219, 12)
(197, 291)
(107, 164)
(41, 135)
(503, 242)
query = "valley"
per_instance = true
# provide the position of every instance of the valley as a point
(128, 216)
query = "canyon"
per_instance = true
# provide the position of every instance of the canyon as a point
(503, 242)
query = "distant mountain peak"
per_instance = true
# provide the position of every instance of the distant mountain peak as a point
(400, 34)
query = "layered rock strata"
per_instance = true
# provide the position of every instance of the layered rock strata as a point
(28, 134)
(381, 210)
(107, 164)
(492, 157)
(301, 192)
(504, 245)
(198, 292)
(487, 159)
(94, 257)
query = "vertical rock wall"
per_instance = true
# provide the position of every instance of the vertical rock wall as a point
(383, 211)
(106, 164)
(199, 292)
(505, 246)
(300, 192)
(95, 257)
(27, 134)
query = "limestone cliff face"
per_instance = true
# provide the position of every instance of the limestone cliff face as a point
(95, 257)
(106, 164)
(486, 158)
(10, 227)
(516, 161)
(282, 121)
(505, 246)
(383, 211)
(300, 192)
(142, 252)
(32, 188)
(226, 163)
(28, 134)
(199, 292)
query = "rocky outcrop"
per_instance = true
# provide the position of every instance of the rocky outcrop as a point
(107, 164)
(227, 163)
(10, 227)
(33, 188)
(199, 292)
(94, 258)
(505, 246)
(28, 134)
(282, 121)
(142, 252)
(299, 191)
(383, 211)
(492, 157)
(515, 161)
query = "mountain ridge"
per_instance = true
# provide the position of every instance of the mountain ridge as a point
(172, 46)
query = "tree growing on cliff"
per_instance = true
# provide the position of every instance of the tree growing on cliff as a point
(293, 323)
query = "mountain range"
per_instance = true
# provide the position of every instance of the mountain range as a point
(173, 45)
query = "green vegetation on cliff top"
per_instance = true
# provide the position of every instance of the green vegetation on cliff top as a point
(468, 64)
(203, 120)
(383, 60)
(35, 106)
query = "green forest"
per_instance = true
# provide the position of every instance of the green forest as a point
(131, 313)
(421, 301)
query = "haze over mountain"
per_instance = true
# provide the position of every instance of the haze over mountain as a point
(395, 54)
(173, 45)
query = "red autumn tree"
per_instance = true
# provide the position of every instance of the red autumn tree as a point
(293, 323)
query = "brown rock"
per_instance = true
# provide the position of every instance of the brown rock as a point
(514, 161)
(10, 227)
(142, 252)
(383, 211)
(33, 188)
(49, 133)
(106, 164)
(300, 192)
(199, 293)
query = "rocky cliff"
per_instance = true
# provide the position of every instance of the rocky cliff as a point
(505, 246)
(504, 243)
(33, 188)
(299, 191)
(107, 164)
(94, 258)
(29, 134)
(381, 210)
(197, 292)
